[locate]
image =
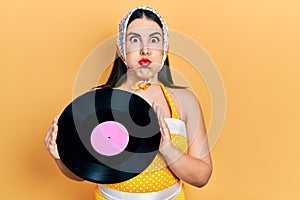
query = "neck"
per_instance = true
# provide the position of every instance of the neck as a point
(133, 80)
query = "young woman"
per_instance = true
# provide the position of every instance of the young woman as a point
(141, 67)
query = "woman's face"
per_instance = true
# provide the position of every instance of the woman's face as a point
(144, 48)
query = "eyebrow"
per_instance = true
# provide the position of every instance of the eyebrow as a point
(136, 34)
(155, 33)
(131, 33)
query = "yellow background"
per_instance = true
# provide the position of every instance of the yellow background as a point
(254, 43)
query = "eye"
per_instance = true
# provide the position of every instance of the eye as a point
(134, 39)
(154, 40)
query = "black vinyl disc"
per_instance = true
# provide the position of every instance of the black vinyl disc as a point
(108, 135)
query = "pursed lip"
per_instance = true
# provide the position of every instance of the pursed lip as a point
(145, 62)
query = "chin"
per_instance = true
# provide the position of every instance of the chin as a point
(145, 75)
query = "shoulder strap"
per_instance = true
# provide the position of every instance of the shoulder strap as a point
(170, 102)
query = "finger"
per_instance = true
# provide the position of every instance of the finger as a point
(164, 136)
(49, 130)
(52, 143)
(47, 136)
(162, 121)
(158, 109)
(48, 145)
(49, 140)
(53, 137)
(55, 120)
(161, 111)
(55, 128)
(163, 129)
(155, 106)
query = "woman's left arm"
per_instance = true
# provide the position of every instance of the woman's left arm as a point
(195, 167)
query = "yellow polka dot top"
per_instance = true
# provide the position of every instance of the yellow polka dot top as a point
(157, 176)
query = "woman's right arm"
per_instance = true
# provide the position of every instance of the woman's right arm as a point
(50, 142)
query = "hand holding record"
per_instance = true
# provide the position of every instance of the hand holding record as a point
(50, 139)
(108, 135)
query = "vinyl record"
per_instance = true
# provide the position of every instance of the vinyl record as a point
(108, 135)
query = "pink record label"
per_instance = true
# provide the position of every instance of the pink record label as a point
(109, 138)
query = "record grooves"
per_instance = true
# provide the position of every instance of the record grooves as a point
(122, 124)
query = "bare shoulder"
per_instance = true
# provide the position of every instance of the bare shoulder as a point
(185, 101)
(184, 96)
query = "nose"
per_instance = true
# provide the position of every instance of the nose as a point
(145, 51)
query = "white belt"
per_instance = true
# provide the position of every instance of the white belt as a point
(167, 194)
